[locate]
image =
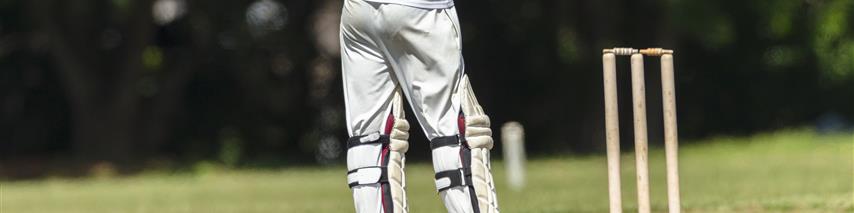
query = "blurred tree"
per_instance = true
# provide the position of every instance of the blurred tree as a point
(258, 81)
(100, 79)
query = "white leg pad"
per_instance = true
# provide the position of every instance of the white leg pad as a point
(463, 175)
(375, 164)
(398, 144)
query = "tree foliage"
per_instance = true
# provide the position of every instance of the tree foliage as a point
(108, 80)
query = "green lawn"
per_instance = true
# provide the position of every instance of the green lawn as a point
(791, 171)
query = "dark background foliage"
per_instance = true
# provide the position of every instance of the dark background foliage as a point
(257, 82)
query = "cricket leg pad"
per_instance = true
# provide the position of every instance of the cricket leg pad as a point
(375, 165)
(461, 162)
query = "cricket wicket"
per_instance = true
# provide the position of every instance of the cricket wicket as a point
(612, 129)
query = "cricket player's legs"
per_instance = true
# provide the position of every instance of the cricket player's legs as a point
(425, 52)
(375, 122)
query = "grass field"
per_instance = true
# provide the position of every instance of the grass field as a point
(791, 171)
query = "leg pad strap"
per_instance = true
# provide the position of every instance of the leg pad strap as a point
(453, 178)
(447, 141)
(374, 138)
(367, 175)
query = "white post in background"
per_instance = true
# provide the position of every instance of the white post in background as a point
(513, 139)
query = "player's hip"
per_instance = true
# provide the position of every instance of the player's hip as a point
(386, 20)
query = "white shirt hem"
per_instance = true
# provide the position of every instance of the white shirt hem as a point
(419, 4)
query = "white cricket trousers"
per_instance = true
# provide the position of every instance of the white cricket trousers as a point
(384, 46)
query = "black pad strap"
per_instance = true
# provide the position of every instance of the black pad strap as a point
(445, 141)
(366, 139)
(383, 176)
(458, 177)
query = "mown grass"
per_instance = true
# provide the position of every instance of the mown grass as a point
(789, 171)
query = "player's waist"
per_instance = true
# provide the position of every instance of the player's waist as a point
(427, 4)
